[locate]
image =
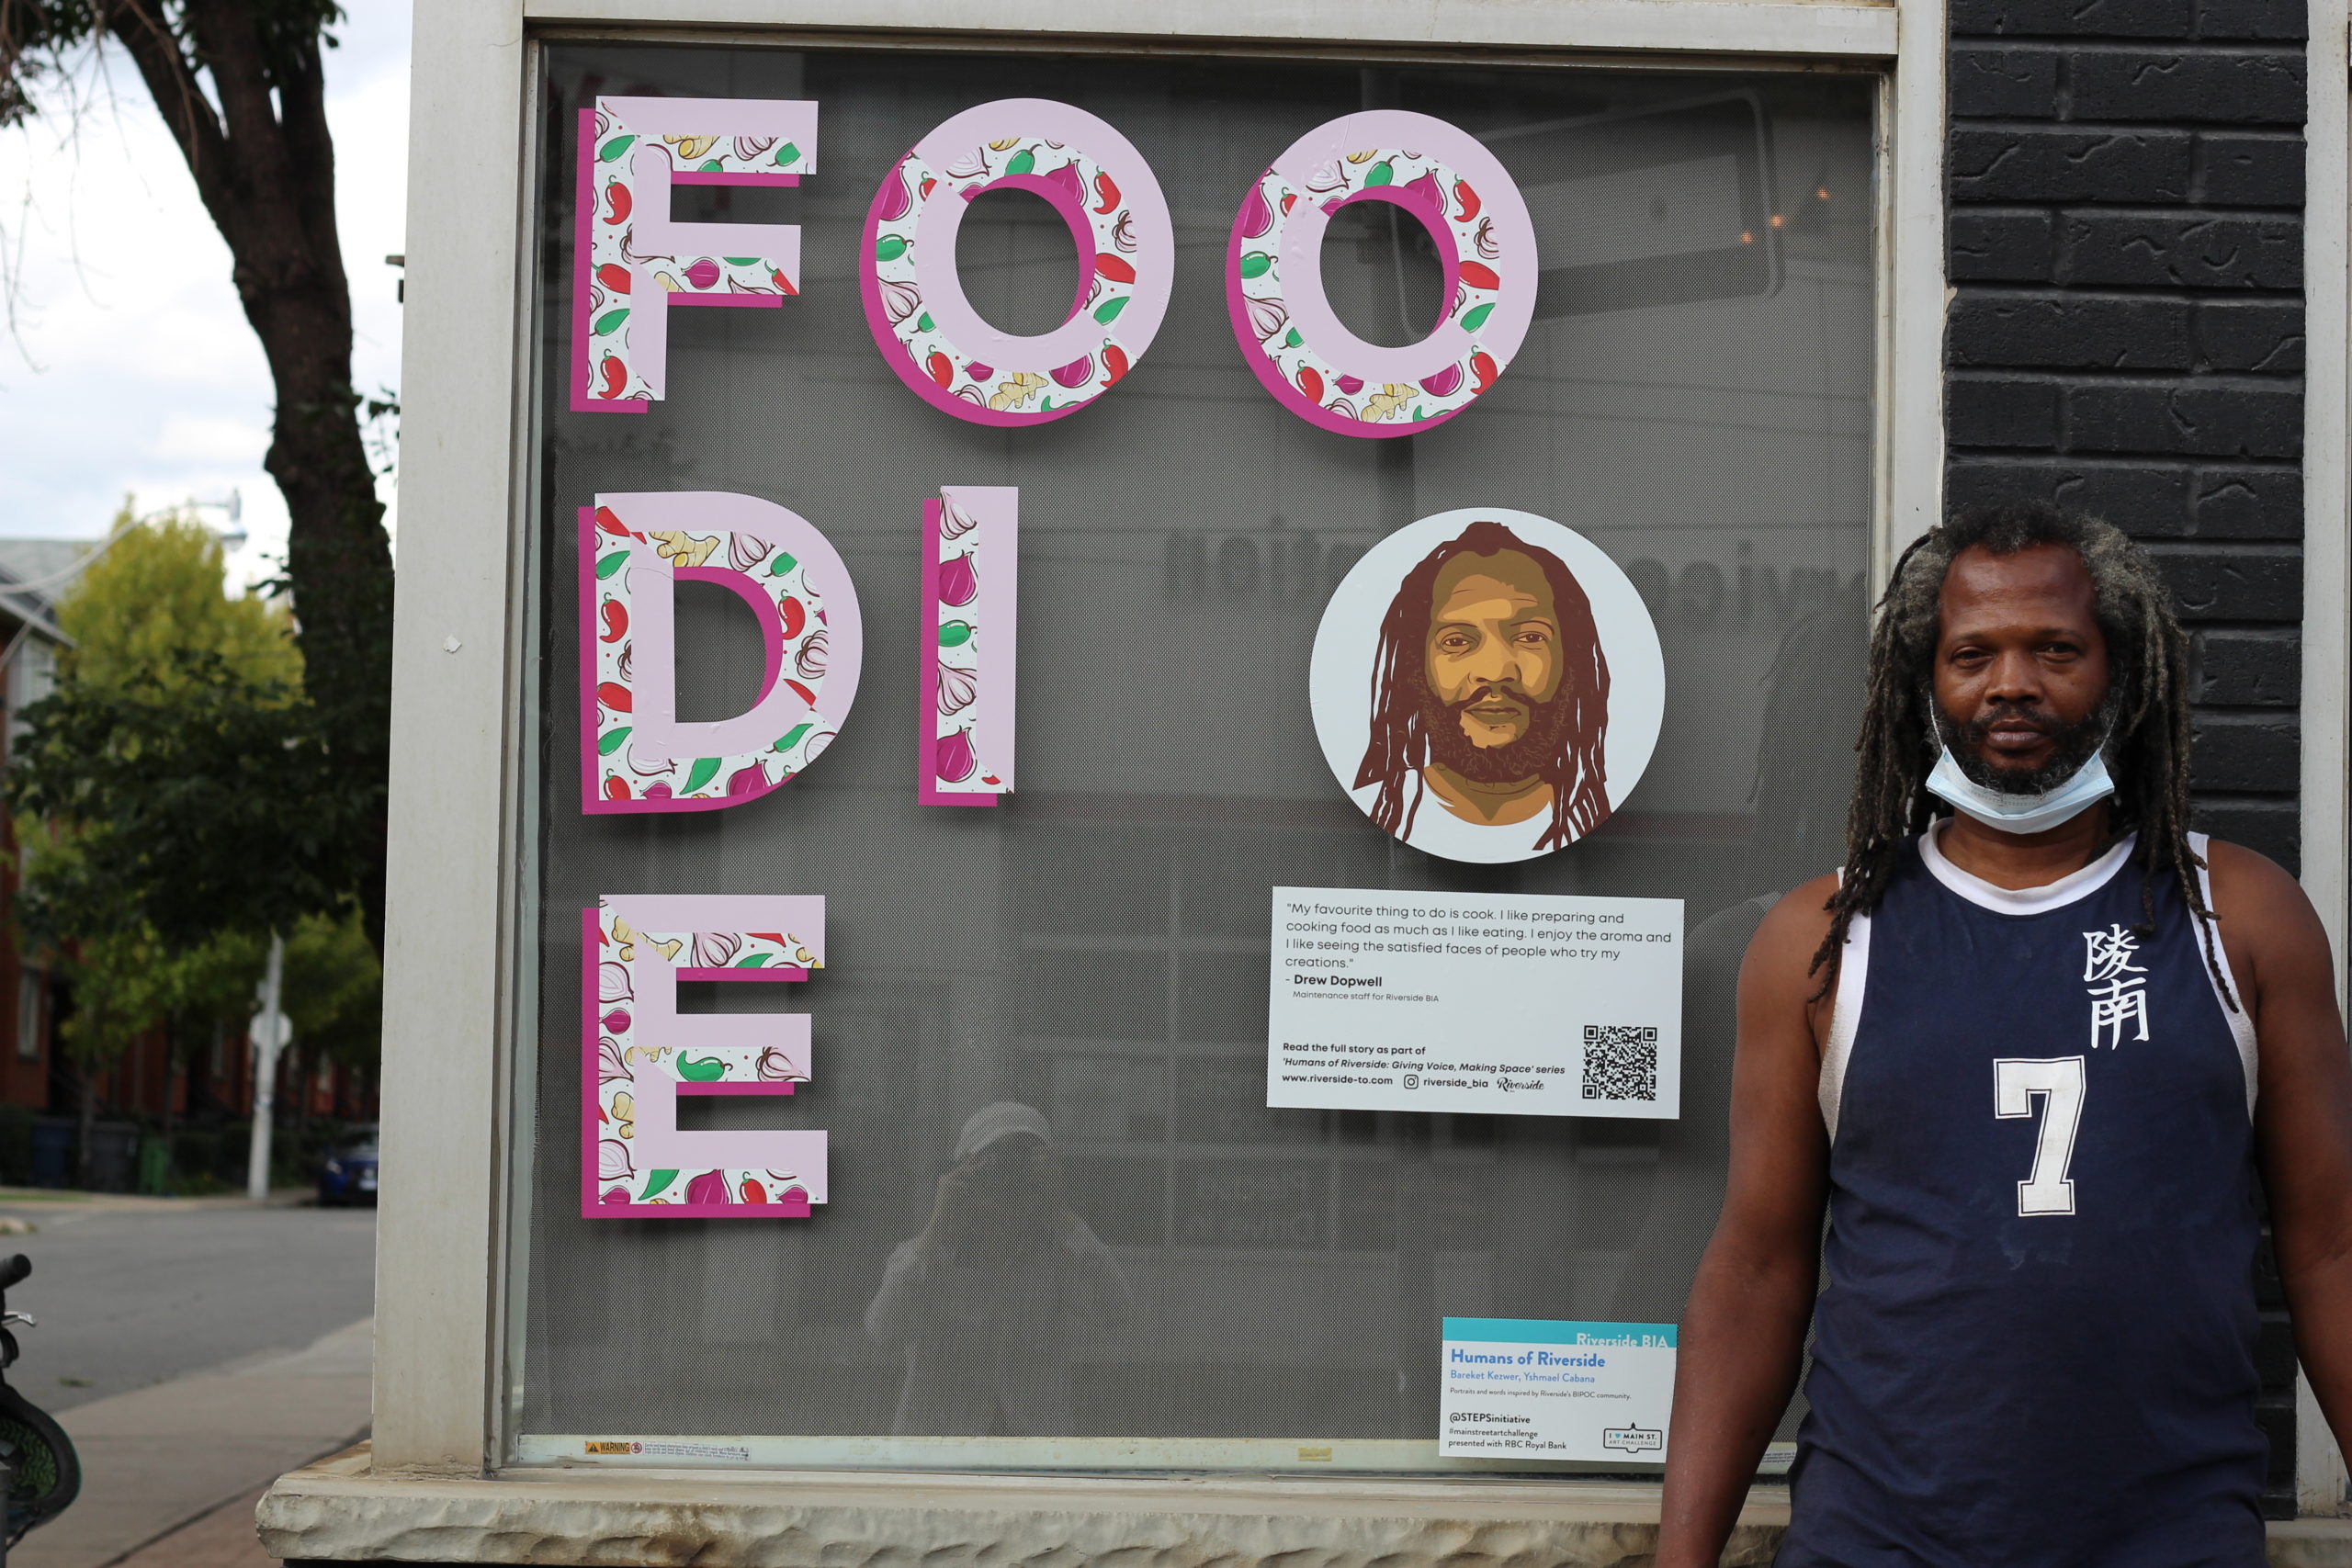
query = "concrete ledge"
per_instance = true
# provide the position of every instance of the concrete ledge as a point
(342, 1509)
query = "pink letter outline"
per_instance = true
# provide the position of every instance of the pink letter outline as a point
(631, 261)
(633, 549)
(1289, 333)
(636, 1162)
(929, 333)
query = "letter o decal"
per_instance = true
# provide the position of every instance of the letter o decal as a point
(914, 302)
(1468, 202)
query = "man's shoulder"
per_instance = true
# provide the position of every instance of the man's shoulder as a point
(1792, 930)
(2250, 885)
(2256, 898)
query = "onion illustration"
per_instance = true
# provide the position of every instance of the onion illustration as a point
(713, 949)
(899, 300)
(775, 1067)
(609, 1065)
(750, 147)
(615, 1195)
(1443, 383)
(953, 521)
(810, 660)
(710, 1187)
(611, 1160)
(1121, 236)
(747, 780)
(956, 690)
(703, 274)
(1075, 373)
(897, 199)
(1326, 176)
(612, 983)
(616, 1020)
(1066, 177)
(1341, 407)
(959, 580)
(626, 668)
(1350, 385)
(1427, 194)
(953, 757)
(1267, 317)
(971, 165)
(744, 552)
(1485, 238)
(1256, 216)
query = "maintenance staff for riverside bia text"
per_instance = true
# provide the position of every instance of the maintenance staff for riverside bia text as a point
(2038, 1051)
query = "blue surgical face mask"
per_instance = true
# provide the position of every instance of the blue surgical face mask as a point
(2087, 787)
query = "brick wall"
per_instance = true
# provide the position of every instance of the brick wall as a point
(2126, 337)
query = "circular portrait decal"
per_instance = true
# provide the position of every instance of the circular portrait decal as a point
(1487, 685)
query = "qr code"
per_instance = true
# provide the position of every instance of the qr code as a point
(1620, 1062)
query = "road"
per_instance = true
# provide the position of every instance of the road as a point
(131, 1293)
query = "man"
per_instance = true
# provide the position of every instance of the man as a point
(988, 1303)
(1490, 693)
(2040, 1062)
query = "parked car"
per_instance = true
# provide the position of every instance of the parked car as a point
(349, 1174)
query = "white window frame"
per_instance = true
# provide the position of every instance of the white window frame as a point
(460, 810)
(2326, 799)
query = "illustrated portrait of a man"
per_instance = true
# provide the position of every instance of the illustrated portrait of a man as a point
(1490, 694)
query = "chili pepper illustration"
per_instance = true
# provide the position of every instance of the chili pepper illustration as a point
(1468, 200)
(1107, 190)
(1482, 365)
(1477, 274)
(615, 621)
(614, 276)
(1114, 363)
(794, 614)
(1115, 268)
(942, 369)
(617, 203)
(615, 697)
(616, 376)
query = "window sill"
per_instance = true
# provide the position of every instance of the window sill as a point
(343, 1510)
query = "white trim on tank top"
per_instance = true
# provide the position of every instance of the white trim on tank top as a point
(1853, 968)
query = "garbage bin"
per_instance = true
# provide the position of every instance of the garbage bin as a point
(156, 1167)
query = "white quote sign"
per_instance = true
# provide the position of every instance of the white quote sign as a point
(1524, 1004)
(1532, 1388)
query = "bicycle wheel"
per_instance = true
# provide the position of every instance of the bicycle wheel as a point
(47, 1473)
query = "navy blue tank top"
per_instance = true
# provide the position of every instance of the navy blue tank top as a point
(2036, 1343)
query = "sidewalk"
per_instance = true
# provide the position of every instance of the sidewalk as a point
(199, 1448)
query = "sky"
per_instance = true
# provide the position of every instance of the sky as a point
(131, 369)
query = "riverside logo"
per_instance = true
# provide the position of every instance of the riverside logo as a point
(1632, 1440)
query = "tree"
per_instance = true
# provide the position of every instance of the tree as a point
(179, 800)
(241, 86)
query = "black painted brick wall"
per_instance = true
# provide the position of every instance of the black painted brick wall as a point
(2126, 335)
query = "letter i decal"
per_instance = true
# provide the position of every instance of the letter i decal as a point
(971, 538)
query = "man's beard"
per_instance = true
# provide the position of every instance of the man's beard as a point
(1524, 757)
(2074, 744)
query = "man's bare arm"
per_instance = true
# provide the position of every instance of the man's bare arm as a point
(1743, 1332)
(2279, 954)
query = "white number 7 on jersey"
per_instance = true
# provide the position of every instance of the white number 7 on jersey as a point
(2058, 1080)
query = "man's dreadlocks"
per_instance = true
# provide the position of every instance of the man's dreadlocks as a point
(2147, 748)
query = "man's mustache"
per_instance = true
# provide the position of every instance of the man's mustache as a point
(1502, 689)
(2006, 711)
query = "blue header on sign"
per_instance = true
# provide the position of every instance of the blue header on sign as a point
(1551, 1331)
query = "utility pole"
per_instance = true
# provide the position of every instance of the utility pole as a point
(268, 1037)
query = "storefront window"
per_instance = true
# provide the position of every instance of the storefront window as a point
(1248, 1288)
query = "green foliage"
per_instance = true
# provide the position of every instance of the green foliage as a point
(153, 601)
(334, 991)
(178, 800)
(197, 804)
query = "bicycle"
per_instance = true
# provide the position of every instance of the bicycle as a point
(44, 1473)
